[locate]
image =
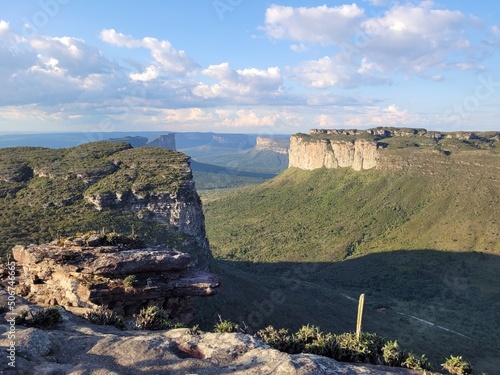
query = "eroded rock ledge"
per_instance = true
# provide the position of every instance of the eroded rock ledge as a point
(83, 278)
(365, 149)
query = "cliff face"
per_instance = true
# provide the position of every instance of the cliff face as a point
(311, 154)
(163, 141)
(78, 273)
(382, 148)
(104, 184)
(278, 145)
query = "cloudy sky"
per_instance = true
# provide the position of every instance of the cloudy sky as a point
(248, 65)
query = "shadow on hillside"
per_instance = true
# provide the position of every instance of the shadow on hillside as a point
(432, 302)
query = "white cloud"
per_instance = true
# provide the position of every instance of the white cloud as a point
(166, 57)
(322, 24)
(413, 39)
(328, 71)
(237, 84)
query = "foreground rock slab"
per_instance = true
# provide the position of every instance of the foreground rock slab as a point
(77, 347)
(89, 277)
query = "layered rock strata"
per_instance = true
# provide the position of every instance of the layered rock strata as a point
(365, 149)
(278, 145)
(307, 154)
(124, 281)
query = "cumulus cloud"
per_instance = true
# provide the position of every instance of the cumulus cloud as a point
(332, 71)
(245, 83)
(407, 38)
(322, 24)
(167, 59)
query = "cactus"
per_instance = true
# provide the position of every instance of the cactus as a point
(360, 315)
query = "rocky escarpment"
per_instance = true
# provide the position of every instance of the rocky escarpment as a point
(311, 154)
(163, 141)
(79, 273)
(371, 148)
(278, 145)
(102, 184)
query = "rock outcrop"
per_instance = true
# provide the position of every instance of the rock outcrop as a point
(74, 274)
(366, 149)
(163, 141)
(77, 347)
(311, 154)
(278, 145)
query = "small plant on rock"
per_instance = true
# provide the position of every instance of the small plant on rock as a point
(104, 316)
(152, 318)
(129, 281)
(392, 354)
(45, 318)
(458, 366)
(414, 362)
(225, 326)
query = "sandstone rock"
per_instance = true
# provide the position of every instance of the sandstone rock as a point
(89, 277)
(278, 145)
(317, 153)
(91, 350)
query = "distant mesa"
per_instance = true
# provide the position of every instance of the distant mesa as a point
(162, 141)
(278, 145)
(381, 147)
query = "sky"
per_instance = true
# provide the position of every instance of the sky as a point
(248, 66)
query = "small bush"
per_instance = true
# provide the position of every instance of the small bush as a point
(129, 281)
(412, 361)
(458, 366)
(366, 349)
(104, 316)
(45, 318)
(225, 326)
(393, 356)
(152, 318)
(278, 339)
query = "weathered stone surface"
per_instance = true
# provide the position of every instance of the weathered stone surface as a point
(318, 153)
(89, 277)
(80, 348)
(32, 343)
(278, 145)
(363, 149)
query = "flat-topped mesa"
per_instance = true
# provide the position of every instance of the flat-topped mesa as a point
(278, 145)
(370, 148)
(83, 278)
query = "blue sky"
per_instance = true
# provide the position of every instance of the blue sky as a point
(248, 66)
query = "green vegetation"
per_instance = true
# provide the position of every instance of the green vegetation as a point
(154, 318)
(345, 347)
(130, 281)
(458, 366)
(45, 318)
(42, 192)
(103, 316)
(422, 241)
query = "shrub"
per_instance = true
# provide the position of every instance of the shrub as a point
(278, 339)
(412, 361)
(152, 318)
(458, 366)
(225, 326)
(104, 316)
(393, 356)
(45, 318)
(129, 281)
(366, 349)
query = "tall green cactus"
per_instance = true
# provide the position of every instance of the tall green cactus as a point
(360, 315)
